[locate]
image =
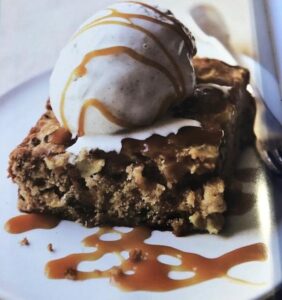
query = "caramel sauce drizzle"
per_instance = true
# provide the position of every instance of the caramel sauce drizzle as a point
(81, 69)
(60, 137)
(178, 29)
(105, 112)
(116, 14)
(142, 270)
(23, 223)
(129, 16)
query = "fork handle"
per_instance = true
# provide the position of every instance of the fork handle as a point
(274, 16)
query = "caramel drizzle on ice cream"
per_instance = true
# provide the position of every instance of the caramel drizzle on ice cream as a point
(81, 70)
(175, 26)
(128, 17)
(103, 110)
(143, 270)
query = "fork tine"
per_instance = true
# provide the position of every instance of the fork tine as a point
(266, 159)
(278, 156)
(279, 151)
(272, 161)
(276, 160)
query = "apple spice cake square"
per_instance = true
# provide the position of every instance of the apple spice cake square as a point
(175, 182)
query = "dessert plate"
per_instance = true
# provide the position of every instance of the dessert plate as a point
(22, 267)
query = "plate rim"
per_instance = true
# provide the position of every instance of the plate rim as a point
(42, 77)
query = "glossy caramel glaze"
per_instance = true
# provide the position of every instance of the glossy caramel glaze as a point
(60, 137)
(142, 270)
(157, 145)
(167, 148)
(23, 223)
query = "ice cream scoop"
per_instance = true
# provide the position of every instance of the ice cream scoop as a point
(123, 68)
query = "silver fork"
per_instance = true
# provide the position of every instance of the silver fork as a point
(268, 133)
(267, 129)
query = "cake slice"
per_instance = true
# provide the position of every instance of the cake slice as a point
(174, 182)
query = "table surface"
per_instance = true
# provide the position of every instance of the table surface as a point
(33, 32)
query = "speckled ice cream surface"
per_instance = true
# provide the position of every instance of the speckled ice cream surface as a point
(130, 89)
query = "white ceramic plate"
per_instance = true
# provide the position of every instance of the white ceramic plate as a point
(22, 268)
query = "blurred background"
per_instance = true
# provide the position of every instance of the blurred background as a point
(33, 32)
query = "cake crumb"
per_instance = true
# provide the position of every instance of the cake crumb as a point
(135, 255)
(50, 247)
(25, 242)
(71, 274)
(116, 272)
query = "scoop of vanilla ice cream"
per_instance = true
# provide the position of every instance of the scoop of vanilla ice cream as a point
(122, 68)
